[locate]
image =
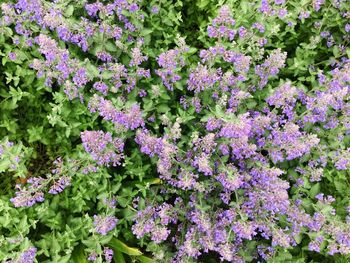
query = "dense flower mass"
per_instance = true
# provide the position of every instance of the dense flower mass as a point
(175, 131)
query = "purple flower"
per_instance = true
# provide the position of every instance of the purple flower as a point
(230, 181)
(242, 32)
(347, 28)
(169, 62)
(92, 256)
(244, 230)
(136, 57)
(304, 15)
(203, 165)
(60, 185)
(293, 142)
(271, 66)
(28, 197)
(342, 159)
(110, 202)
(221, 24)
(202, 78)
(259, 26)
(80, 78)
(93, 8)
(133, 117)
(101, 87)
(104, 56)
(108, 254)
(102, 147)
(149, 145)
(186, 180)
(279, 2)
(238, 129)
(155, 9)
(104, 224)
(12, 56)
(27, 256)
(144, 222)
(133, 7)
(282, 13)
(315, 245)
(265, 7)
(317, 4)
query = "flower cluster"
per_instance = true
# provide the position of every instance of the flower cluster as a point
(154, 221)
(222, 25)
(131, 118)
(103, 225)
(292, 142)
(104, 149)
(27, 256)
(54, 183)
(107, 253)
(270, 67)
(169, 62)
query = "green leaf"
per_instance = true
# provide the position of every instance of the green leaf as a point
(4, 165)
(110, 46)
(341, 187)
(78, 255)
(35, 133)
(298, 238)
(150, 181)
(315, 189)
(251, 104)
(165, 96)
(118, 257)
(163, 108)
(122, 247)
(202, 4)
(62, 259)
(107, 74)
(92, 70)
(146, 31)
(69, 11)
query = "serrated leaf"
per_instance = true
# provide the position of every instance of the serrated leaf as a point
(69, 11)
(315, 189)
(110, 46)
(78, 255)
(92, 70)
(146, 31)
(163, 108)
(4, 165)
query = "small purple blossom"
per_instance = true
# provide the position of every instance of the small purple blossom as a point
(92, 256)
(347, 28)
(12, 56)
(155, 9)
(80, 78)
(27, 256)
(101, 87)
(108, 254)
(104, 224)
